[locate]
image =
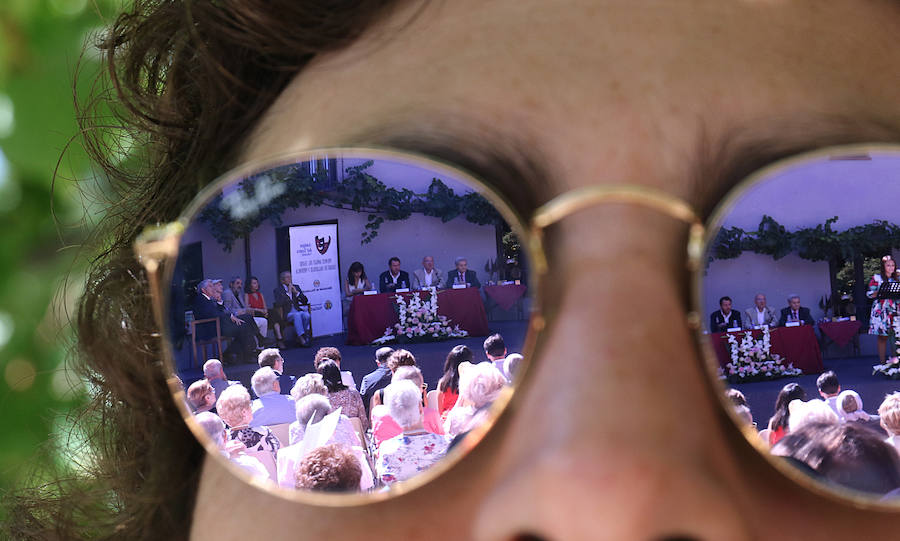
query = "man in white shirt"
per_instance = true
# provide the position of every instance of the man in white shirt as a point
(759, 314)
(428, 275)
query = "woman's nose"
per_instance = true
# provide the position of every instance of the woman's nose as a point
(617, 435)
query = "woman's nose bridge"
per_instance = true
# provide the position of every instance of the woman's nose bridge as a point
(618, 422)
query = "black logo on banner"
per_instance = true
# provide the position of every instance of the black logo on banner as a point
(322, 244)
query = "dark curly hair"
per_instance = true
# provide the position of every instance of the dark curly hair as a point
(185, 81)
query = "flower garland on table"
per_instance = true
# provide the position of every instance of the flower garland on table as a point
(419, 321)
(751, 360)
(891, 368)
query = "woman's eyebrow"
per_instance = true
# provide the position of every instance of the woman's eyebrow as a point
(722, 162)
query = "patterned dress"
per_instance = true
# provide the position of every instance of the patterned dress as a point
(404, 456)
(259, 438)
(883, 310)
(352, 405)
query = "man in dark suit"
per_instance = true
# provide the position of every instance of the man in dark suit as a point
(377, 379)
(795, 313)
(289, 298)
(393, 279)
(462, 275)
(724, 318)
(207, 305)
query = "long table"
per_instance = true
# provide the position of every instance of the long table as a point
(797, 345)
(370, 315)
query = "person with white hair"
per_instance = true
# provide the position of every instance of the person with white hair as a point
(201, 396)
(234, 408)
(461, 275)
(385, 427)
(215, 374)
(415, 449)
(312, 409)
(511, 366)
(272, 407)
(236, 451)
(313, 384)
(806, 413)
(479, 386)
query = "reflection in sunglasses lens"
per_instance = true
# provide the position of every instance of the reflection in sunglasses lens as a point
(802, 298)
(314, 303)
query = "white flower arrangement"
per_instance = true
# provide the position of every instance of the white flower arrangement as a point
(891, 367)
(419, 321)
(752, 360)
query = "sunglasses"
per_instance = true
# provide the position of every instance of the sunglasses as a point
(312, 213)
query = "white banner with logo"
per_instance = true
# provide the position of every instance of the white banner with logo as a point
(314, 265)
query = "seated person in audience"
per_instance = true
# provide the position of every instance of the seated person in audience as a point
(201, 396)
(736, 397)
(416, 449)
(398, 358)
(795, 313)
(495, 350)
(850, 410)
(235, 302)
(236, 451)
(378, 378)
(845, 454)
(511, 366)
(334, 354)
(448, 385)
(313, 408)
(810, 412)
(829, 387)
(313, 384)
(215, 375)
(235, 409)
(462, 275)
(272, 407)
(724, 318)
(289, 299)
(428, 275)
(207, 306)
(342, 396)
(889, 412)
(479, 386)
(759, 314)
(384, 427)
(393, 279)
(330, 468)
(779, 423)
(272, 358)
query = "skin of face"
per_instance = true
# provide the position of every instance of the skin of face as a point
(285, 278)
(254, 285)
(461, 265)
(725, 306)
(395, 267)
(890, 266)
(238, 285)
(794, 303)
(428, 263)
(760, 301)
(604, 92)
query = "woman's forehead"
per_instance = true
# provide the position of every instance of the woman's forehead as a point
(595, 87)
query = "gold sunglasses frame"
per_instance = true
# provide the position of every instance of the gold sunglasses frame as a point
(159, 244)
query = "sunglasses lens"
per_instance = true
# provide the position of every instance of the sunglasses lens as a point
(310, 301)
(802, 313)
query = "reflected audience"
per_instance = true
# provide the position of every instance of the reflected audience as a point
(342, 396)
(313, 384)
(415, 449)
(384, 427)
(235, 451)
(479, 385)
(214, 372)
(334, 354)
(779, 424)
(829, 388)
(201, 396)
(272, 358)
(448, 385)
(272, 407)
(398, 358)
(376, 379)
(330, 468)
(235, 409)
(889, 412)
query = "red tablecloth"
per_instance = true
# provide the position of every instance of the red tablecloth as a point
(505, 295)
(840, 332)
(797, 345)
(370, 315)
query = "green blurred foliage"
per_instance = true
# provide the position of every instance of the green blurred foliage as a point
(43, 44)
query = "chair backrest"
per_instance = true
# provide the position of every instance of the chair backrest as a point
(432, 398)
(282, 432)
(268, 460)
